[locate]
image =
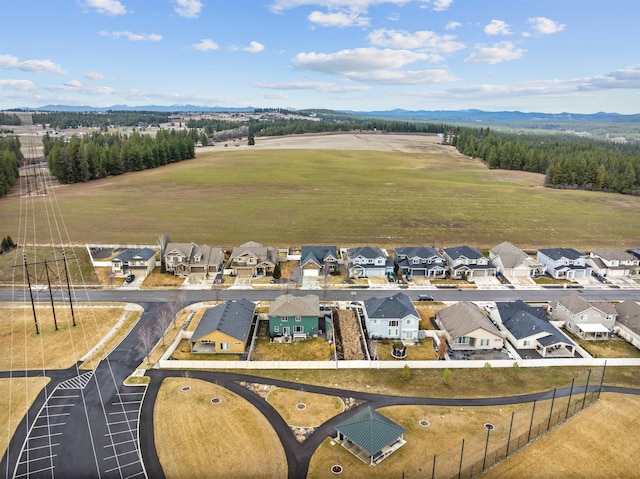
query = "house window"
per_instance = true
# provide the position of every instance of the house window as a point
(238, 344)
(276, 329)
(224, 346)
(298, 329)
(298, 318)
(284, 319)
(408, 322)
(526, 343)
(583, 317)
(393, 323)
(484, 342)
(462, 340)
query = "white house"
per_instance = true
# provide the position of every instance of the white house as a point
(564, 263)
(366, 261)
(394, 317)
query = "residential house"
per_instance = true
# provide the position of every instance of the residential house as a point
(316, 260)
(393, 317)
(294, 316)
(628, 322)
(564, 263)
(514, 263)
(224, 328)
(253, 259)
(467, 328)
(137, 261)
(366, 261)
(586, 320)
(466, 263)
(370, 436)
(528, 329)
(183, 259)
(420, 261)
(614, 263)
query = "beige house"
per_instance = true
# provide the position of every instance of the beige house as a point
(183, 259)
(253, 259)
(628, 322)
(136, 261)
(584, 319)
(224, 328)
(514, 263)
(467, 328)
(614, 263)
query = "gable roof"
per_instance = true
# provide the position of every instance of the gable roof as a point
(576, 304)
(366, 252)
(463, 252)
(370, 430)
(417, 251)
(523, 321)
(142, 253)
(252, 248)
(317, 254)
(612, 253)
(559, 253)
(465, 317)
(510, 256)
(397, 306)
(184, 249)
(290, 305)
(629, 315)
(232, 318)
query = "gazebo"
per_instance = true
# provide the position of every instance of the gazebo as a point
(370, 436)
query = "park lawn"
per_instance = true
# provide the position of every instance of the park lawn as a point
(597, 443)
(313, 349)
(21, 348)
(196, 438)
(318, 408)
(16, 397)
(466, 202)
(609, 348)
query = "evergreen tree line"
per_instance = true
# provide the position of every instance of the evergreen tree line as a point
(567, 161)
(77, 119)
(10, 158)
(9, 119)
(98, 155)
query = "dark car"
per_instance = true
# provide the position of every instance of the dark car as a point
(130, 278)
(425, 297)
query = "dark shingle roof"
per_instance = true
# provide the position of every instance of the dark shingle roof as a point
(317, 254)
(232, 318)
(523, 321)
(559, 253)
(128, 254)
(397, 306)
(370, 430)
(463, 251)
(417, 251)
(366, 252)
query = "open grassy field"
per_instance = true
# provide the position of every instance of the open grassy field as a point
(414, 192)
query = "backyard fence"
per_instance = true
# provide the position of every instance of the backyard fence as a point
(499, 440)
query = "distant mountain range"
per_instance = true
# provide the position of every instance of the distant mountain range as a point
(452, 116)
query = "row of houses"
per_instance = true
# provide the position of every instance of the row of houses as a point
(459, 262)
(467, 327)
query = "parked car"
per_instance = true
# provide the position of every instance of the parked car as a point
(425, 297)
(130, 278)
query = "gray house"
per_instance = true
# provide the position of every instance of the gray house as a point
(467, 328)
(316, 260)
(183, 259)
(366, 261)
(614, 263)
(588, 320)
(514, 263)
(420, 261)
(628, 322)
(467, 262)
(394, 318)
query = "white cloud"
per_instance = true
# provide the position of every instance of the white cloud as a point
(324, 87)
(205, 45)
(254, 47)
(77, 87)
(404, 77)
(279, 6)
(393, 17)
(625, 78)
(422, 40)
(452, 25)
(338, 19)
(497, 27)
(545, 26)
(94, 75)
(499, 52)
(438, 5)
(357, 60)
(36, 66)
(188, 8)
(25, 85)
(107, 7)
(134, 37)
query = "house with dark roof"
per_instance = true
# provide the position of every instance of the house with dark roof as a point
(512, 262)
(467, 328)
(138, 261)
(587, 320)
(614, 263)
(420, 261)
(183, 259)
(564, 263)
(224, 328)
(392, 317)
(317, 260)
(367, 261)
(253, 259)
(527, 328)
(466, 263)
(370, 436)
(628, 322)
(295, 317)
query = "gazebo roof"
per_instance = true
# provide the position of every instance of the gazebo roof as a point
(370, 430)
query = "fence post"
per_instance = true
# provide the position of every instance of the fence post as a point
(510, 429)
(553, 399)
(461, 453)
(586, 388)
(433, 469)
(566, 414)
(604, 368)
(531, 423)
(486, 446)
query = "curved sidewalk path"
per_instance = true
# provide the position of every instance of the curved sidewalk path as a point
(299, 454)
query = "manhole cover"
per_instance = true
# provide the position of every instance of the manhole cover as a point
(424, 423)
(336, 469)
(215, 400)
(186, 388)
(301, 406)
(489, 427)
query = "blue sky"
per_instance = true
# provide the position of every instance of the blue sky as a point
(580, 56)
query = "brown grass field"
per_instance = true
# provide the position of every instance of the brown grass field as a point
(285, 194)
(318, 407)
(195, 438)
